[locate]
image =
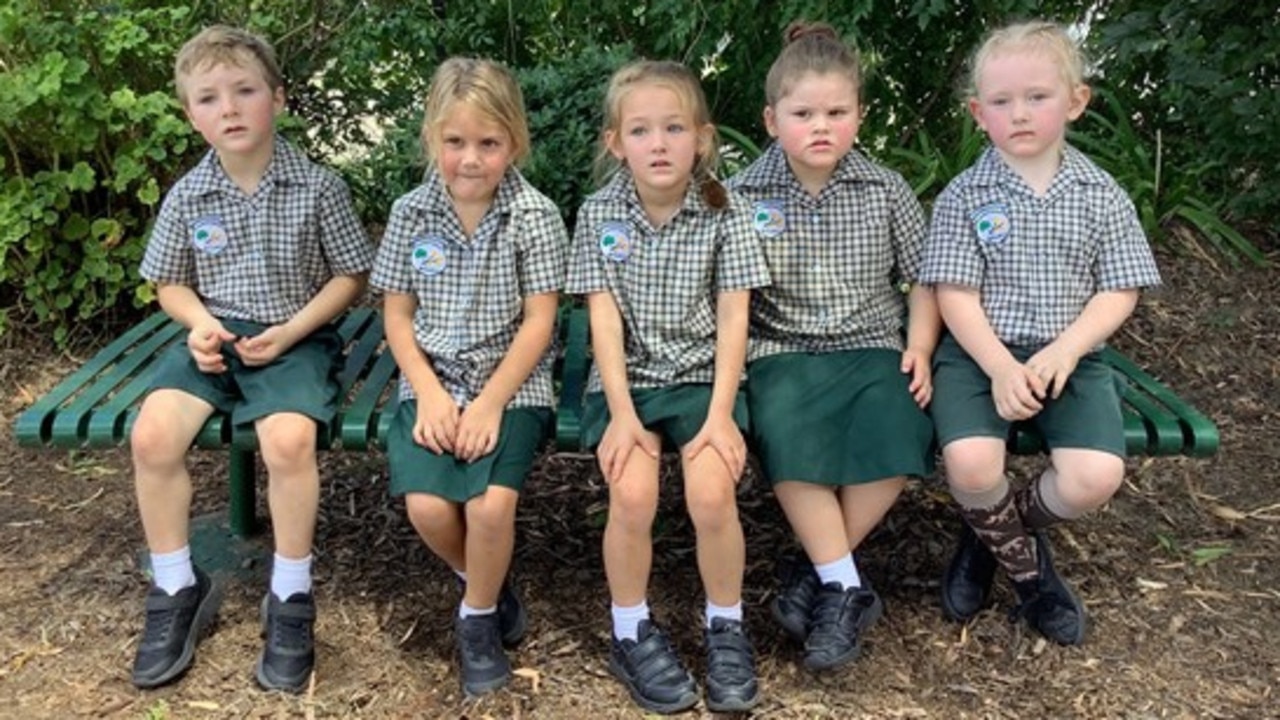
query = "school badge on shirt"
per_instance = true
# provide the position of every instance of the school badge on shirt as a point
(208, 235)
(991, 223)
(615, 241)
(768, 219)
(428, 256)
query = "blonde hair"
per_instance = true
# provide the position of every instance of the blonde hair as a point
(1035, 36)
(680, 80)
(486, 86)
(224, 45)
(810, 48)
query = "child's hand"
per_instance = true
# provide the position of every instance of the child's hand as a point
(1053, 365)
(264, 347)
(621, 437)
(916, 363)
(436, 426)
(205, 344)
(477, 430)
(1017, 392)
(721, 433)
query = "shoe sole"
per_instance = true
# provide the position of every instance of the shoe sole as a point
(868, 619)
(734, 706)
(206, 612)
(260, 670)
(683, 703)
(474, 690)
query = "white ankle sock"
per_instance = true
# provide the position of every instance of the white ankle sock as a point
(172, 571)
(626, 620)
(465, 610)
(728, 612)
(842, 571)
(289, 577)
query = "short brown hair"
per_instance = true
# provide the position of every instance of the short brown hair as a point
(810, 48)
(224, 45)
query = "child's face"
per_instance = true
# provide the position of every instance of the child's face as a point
(473, 153)
(1024, 104)
(657, 138)
(233, 107)
(816, 123)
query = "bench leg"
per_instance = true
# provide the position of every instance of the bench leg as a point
(243, 486)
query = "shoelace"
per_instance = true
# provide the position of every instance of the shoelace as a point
(290, 632)
(159, 625)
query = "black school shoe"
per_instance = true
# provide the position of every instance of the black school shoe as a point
(840, 616)
(513, 619)
(652, 672)
(731, 668)
(1048, 603)
(289, 650)
(172, 629)
(798, 589)
(482, 664)
(966, 584)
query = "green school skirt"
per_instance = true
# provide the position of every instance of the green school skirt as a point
(414, 468)
(676, 413)
(838, 418)
(303, 380)
(1086, 415)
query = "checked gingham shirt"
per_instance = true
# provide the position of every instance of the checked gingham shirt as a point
(258, 257)
(664, 280)
(837, 260)
(471, 291)
(1036, 260)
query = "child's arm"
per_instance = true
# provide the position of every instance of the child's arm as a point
(733, 310)
(1015, 390)
(625, 432)
(1101, 317)
(924, 324)
(437, 414)
(335, 297)
(206, 334)
(478, 427)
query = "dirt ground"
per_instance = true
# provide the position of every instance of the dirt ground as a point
(1178, 573)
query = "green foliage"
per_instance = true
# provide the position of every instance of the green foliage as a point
(88, 152)
(1206, 75)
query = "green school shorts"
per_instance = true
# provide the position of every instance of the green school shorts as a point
(676, 413)
(303, 380)
(838, 418)
(415, 469)
(1086, 415)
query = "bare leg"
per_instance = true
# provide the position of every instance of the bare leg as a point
(162, 434)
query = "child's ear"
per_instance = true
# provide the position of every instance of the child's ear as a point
(277, 100)
(975, 111)
(770, 121)
(1080, 97)
(706, 138)
(614, 147)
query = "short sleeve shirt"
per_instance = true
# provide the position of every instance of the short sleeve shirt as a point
(838, 260)
(471, 290)
(1036, 260)
(664, 280)
(259, 257)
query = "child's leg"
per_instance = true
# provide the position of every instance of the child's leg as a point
(288, 444)
(815, 517)
(975, 472)
(166, 425)
(1078, 480)
(628, 540)
(441, 525)
(490, 540)
(865, 505)
(711, 497)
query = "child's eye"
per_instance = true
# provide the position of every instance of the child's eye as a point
(452, 141)
(637, 131)
(675, 128)
(490, 143)
(204, 99)
(838, 113)
(999, 102)
(802, 114)
(1039, 97)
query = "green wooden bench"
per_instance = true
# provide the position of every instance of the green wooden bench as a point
(95, 406)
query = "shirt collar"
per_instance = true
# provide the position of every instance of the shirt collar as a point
(771, 171)
(288, 166)
(991, 169)
(509, 196)
(621, 188)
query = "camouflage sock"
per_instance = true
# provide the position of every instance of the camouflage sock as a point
(1000, 528)
(1039, 505)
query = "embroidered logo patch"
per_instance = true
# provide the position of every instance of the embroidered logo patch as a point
(208, 235)
(768, 219)
(615, 241)
(991, 223)
(428, 256)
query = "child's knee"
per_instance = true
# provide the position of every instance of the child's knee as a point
(632, 504)
(427, 511)
(493, 512)
(712, 505)
(288, 443)
(974, 468)
(152, 442)
(1088, 479)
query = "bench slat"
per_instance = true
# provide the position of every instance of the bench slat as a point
(1199, 434)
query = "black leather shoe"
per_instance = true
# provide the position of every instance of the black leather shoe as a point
(840, 617)
(289, 650)
(651, 671)
(731, 668)
(966, 584)
(483, 665)
(512, 617)
(1048, 603)
(173, 626)
(797, 590)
